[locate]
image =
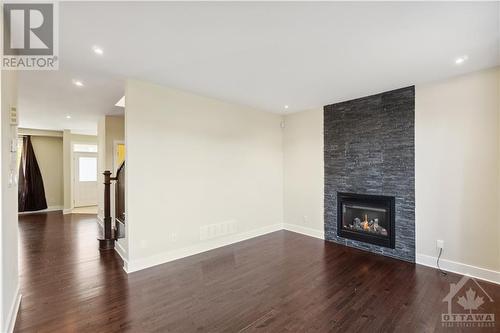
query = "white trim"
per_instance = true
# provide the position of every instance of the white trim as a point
(100, 220)
(459, 268)
(118, 247)
(161, 258)
(67, 211)
(304, 230)
(430, 261)
(123, 254)
(39, 132)
(14, 309)
(48, 209)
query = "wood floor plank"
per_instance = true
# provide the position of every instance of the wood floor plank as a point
(280, 282)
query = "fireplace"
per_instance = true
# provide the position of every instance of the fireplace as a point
(366, 218)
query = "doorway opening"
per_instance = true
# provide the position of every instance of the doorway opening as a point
(85, 178)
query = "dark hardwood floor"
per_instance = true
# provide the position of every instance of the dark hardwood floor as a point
(280, 282)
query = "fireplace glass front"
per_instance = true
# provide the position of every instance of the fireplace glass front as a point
(366, 218)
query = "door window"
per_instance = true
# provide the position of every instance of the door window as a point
(87, 168)
(84, 148)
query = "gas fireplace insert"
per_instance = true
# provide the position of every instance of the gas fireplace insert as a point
(366, 218)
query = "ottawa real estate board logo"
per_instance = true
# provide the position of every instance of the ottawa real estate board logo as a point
(468, 305)
(30, 36)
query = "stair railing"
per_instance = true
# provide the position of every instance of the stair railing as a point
(118, 231)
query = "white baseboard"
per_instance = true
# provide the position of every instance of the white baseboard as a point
(123, 254)
(14, 309)
(430, 261)
(48, 209)
(304, 230)
(143, 263)
(67, 211)
(459, 268)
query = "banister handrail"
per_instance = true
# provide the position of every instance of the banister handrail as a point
(122, 165)
(120, 194)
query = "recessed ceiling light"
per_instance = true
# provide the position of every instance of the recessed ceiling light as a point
(98, 50)
(78, 83)
(461, 60)
(68, 117)
(286, 106)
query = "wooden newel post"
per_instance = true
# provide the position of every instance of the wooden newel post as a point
(108, 242)
(107, 205)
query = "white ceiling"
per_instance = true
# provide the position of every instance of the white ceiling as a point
(265, 55)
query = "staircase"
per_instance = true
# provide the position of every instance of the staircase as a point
(113, 230)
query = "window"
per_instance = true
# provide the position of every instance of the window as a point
(84, 148)
(87, 169)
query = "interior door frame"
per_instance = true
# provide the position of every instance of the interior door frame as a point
(74, 155)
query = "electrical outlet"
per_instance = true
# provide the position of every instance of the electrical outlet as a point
(305, 219)
(440, 244)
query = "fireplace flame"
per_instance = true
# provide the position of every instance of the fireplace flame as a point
(365, 223)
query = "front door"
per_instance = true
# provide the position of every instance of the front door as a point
(85, 189)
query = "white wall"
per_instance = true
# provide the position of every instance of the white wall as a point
(304, 171)
(457, 172)
(209, 151)
(9, 235)
(68, 200)
(194, 161)
(101, 166)
(457, 168)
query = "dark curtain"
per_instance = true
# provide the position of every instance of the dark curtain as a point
(31, 193)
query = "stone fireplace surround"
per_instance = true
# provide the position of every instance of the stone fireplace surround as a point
(369, 148)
